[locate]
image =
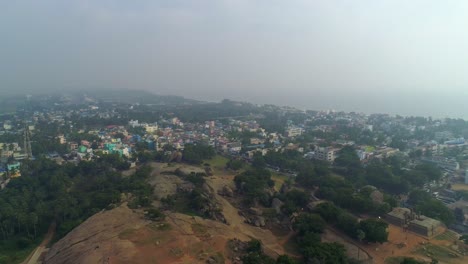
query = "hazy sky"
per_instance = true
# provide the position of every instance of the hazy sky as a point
(407, 57)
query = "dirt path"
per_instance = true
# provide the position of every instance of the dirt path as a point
(33, 258)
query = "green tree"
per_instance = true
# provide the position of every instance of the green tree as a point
(375, 230)
(307, 222)
(285, 259)
(348, 224)
(328, 211)
(410, 261)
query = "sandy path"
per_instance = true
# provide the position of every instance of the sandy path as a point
(33, 258)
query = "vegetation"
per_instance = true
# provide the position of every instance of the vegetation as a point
(427, 205)
(195, 154)
(375, 230)
(67, 195)
(254, 184)
(371, 230)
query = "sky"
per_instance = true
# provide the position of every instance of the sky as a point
(387, 56)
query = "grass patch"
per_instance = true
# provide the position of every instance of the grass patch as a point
(217, 163)
(448, 236)
(127, 233)
(279, 180)
(200, 230)
(10, 254)
(437, 252)
(269, 212)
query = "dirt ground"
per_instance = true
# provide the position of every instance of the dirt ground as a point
(460, 187)
(401, 243)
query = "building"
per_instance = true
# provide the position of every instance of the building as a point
(442, 162)
(293, 131)
(150, 129)
(457, 141)
(328, 153)
(443, 135)
(420, 224)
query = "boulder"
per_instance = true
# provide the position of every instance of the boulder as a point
(261, 220)
(277, 204)
(227, 191)
(255, 211)
(257, 223)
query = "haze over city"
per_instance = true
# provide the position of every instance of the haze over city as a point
(397, 57)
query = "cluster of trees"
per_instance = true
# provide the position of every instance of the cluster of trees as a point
(294, 201)
(312, 173)
(371, 230)
(192, 201)
(254, 255)
(286, 160)
(309, 227)
(195, 154)
(67, 195)
(344, 194)
(388, 174)
(235, 164)
(254, 184)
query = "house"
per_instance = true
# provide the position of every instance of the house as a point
(234, 147)
(326, 153)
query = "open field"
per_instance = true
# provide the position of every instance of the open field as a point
(217, 163)
(460, 187)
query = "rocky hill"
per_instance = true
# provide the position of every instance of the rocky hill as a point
(123, 235)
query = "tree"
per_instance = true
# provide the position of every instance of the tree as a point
(254, 184)
(285, 259)
(347, 223)
(349, 160)
(307, 222)
(258, 160)
(375, 230)
(235, 164)
(255, 254)
(411, 261)
(328, 211)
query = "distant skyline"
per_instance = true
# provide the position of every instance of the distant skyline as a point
(386, 56)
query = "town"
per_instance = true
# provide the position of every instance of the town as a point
(413, 167)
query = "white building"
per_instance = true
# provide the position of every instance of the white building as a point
(151, 128)
(328, 153)
(293, 132)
